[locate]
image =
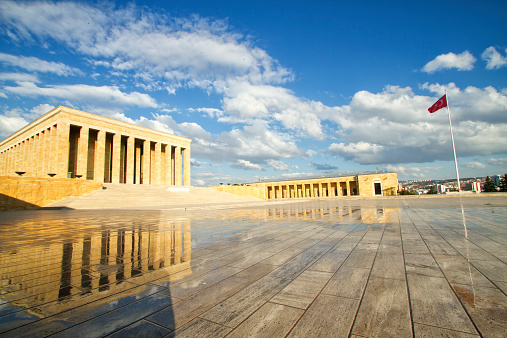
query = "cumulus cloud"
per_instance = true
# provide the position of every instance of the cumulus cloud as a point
(37, 65)
(498, 161)
(474, 165)
(463, 61)
(84, 93)
(23, 77)
(193, 52)
(279, 165)
(323, 167)
(493, 58)
(371, 133)
(246, 165)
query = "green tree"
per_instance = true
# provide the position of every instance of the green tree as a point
(489, 186)
(503, 183)
(431, 191)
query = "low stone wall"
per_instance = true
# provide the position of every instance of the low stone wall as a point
(30, 192)
(241, 190)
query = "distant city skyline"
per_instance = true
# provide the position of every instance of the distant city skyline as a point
(273, 90)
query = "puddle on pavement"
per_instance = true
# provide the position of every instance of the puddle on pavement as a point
(52, 261)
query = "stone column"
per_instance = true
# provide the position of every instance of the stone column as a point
(82, 152)
(186, 167)
(348, 188)
(116, 158)
(320, 189)
(62, 159)
(100, 153)
(138, 163)
(146, 161)
(177, 166)
(157, 172)
(53, 143)
(131, 144)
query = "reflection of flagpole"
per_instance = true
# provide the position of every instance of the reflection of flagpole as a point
(452, 139)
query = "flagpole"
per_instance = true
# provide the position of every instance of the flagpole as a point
(452, 139)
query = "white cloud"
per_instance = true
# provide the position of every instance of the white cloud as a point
(18, 77)
(279, 165)
(11, 124)
(474, 165)
(196, 52)
(37, 65)
(84, 93)
(498, 161)
(371, 133)
(246, 165)
(493, 58)
(463, 61)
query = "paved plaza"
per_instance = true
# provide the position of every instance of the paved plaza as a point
(350, 267)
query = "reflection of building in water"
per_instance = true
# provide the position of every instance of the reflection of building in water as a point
(305, 210)
(50, 276)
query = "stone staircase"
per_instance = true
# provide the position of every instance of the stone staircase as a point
(114, 196)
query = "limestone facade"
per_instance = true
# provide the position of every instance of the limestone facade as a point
(69, 143)
(378, 183)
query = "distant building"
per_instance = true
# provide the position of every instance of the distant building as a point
(374, 183)
(476, 186)
(496, 180)
(440, 188)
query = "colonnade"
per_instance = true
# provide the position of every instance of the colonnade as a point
(312, 188)
(95, 150)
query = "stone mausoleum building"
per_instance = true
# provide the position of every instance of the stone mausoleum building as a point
(372, 183)
(69, 143)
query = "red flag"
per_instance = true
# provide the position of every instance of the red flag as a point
(441, 103)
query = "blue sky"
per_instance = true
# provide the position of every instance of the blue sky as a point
(273, 89)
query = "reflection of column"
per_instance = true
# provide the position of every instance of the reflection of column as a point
(86, 279)
(130, 160)
(62, 159)
(146, 161)
(187, 241)
(82, 152)
(177, 165)
(186, 166)
(178, 243)
(116, 158)
(66, 271)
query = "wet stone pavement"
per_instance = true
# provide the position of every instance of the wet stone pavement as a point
(422, 267)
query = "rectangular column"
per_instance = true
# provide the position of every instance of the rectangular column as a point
(116, 158)
(138, 162)
(62, 158)
(130, 160)
(53, 143)
(348, 188)
(177, 166)
(157, 172)
(82, 152)
(146, 161)
(186, 167)
(100, 153)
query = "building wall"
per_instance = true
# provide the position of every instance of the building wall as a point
(361, 184)
(28, 192)
(67, 142)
